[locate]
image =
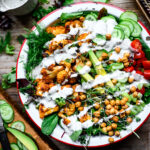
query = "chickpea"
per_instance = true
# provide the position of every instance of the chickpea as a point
(128, 112)
(118, 102)
(122, 115)
(97, 105)
(116, 111)
(107, 112)
(114, 81)
(103, 125)
(75, 94)
(125, 98)
(109, 128)
(121, 110)
(122, 102)
(125, 59)
(129, 120)
(108, 36)
(126, 64)
(78, 104)
(117, 49)
(104, 55)
(83, 97)
(138, 102)
(125, 106)
(114, 125)
(116, 107)
(135, 94)
(130, 79)
(66, 121)
(111, 140)
(133, 89)
(61, 115)
(82, 18)
(88, 63)
(127, 55)
(104, 129)
(108, 107)
(111, 133)
(100, 59)
(66, 109)
(117, 133)
(112, 111)
(81, 108)
(95, 119)
(119, 60)
(106, 102)
(96, 113)
(115, 118)
(112, 102)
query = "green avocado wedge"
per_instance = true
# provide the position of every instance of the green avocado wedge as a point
(26, 140)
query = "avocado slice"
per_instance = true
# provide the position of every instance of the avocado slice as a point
(24, 139)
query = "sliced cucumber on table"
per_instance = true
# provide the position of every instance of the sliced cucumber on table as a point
(108, 18)
(126, 29)
(18, 125)
(14, 146)
(129, 15)
(7, 113)
(2, 102)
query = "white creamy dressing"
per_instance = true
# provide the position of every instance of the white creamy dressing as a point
(80, 89)
(74, 75)
(84, 70)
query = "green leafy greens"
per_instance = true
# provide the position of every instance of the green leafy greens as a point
(9, 79)
(36, 44)
(49, 123)
(5, 45)
(60, 101)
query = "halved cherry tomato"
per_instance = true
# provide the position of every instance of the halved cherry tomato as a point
(129, 69)
(136, 45)
(142, 91)
(140, 61)
(138, 55)
(139, 72)
(146, 64)
(147, 74)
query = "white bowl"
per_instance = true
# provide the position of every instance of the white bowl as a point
(33, 112)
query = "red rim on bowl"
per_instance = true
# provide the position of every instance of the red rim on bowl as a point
(17, 71)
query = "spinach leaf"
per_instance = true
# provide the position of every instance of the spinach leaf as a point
(49, 123)
(9, 79)
(75, 135)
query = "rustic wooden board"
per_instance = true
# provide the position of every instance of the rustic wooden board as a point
(6, 62)
(29, 129)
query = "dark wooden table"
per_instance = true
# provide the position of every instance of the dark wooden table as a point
(6, 62)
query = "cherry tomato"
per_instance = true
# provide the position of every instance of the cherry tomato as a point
(136, 45)
(139, 72)
(147, 74)
(142, 91)
(129, 69)
(140, 61)
(146, 64)
(138, 55)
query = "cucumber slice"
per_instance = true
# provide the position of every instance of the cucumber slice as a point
(128, 23)
(137, 28)
(126, 29)
(2, 102)
(100, 39)
(107, 18)
(118, 33)
(91, 17)
(14, 146)
(18, 125)
(20, 145)
(7, 113)
(129, 15)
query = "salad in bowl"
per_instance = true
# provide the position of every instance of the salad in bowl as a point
(86, 76)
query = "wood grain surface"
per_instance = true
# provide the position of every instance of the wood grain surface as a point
(6, 62)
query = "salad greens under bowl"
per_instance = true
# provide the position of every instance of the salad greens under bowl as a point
(83, 74)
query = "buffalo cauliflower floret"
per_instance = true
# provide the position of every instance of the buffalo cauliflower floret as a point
(61, 76)
(56, 30)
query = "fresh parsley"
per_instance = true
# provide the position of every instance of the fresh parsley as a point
(9, 79)
(60, 101)
(5, 44)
